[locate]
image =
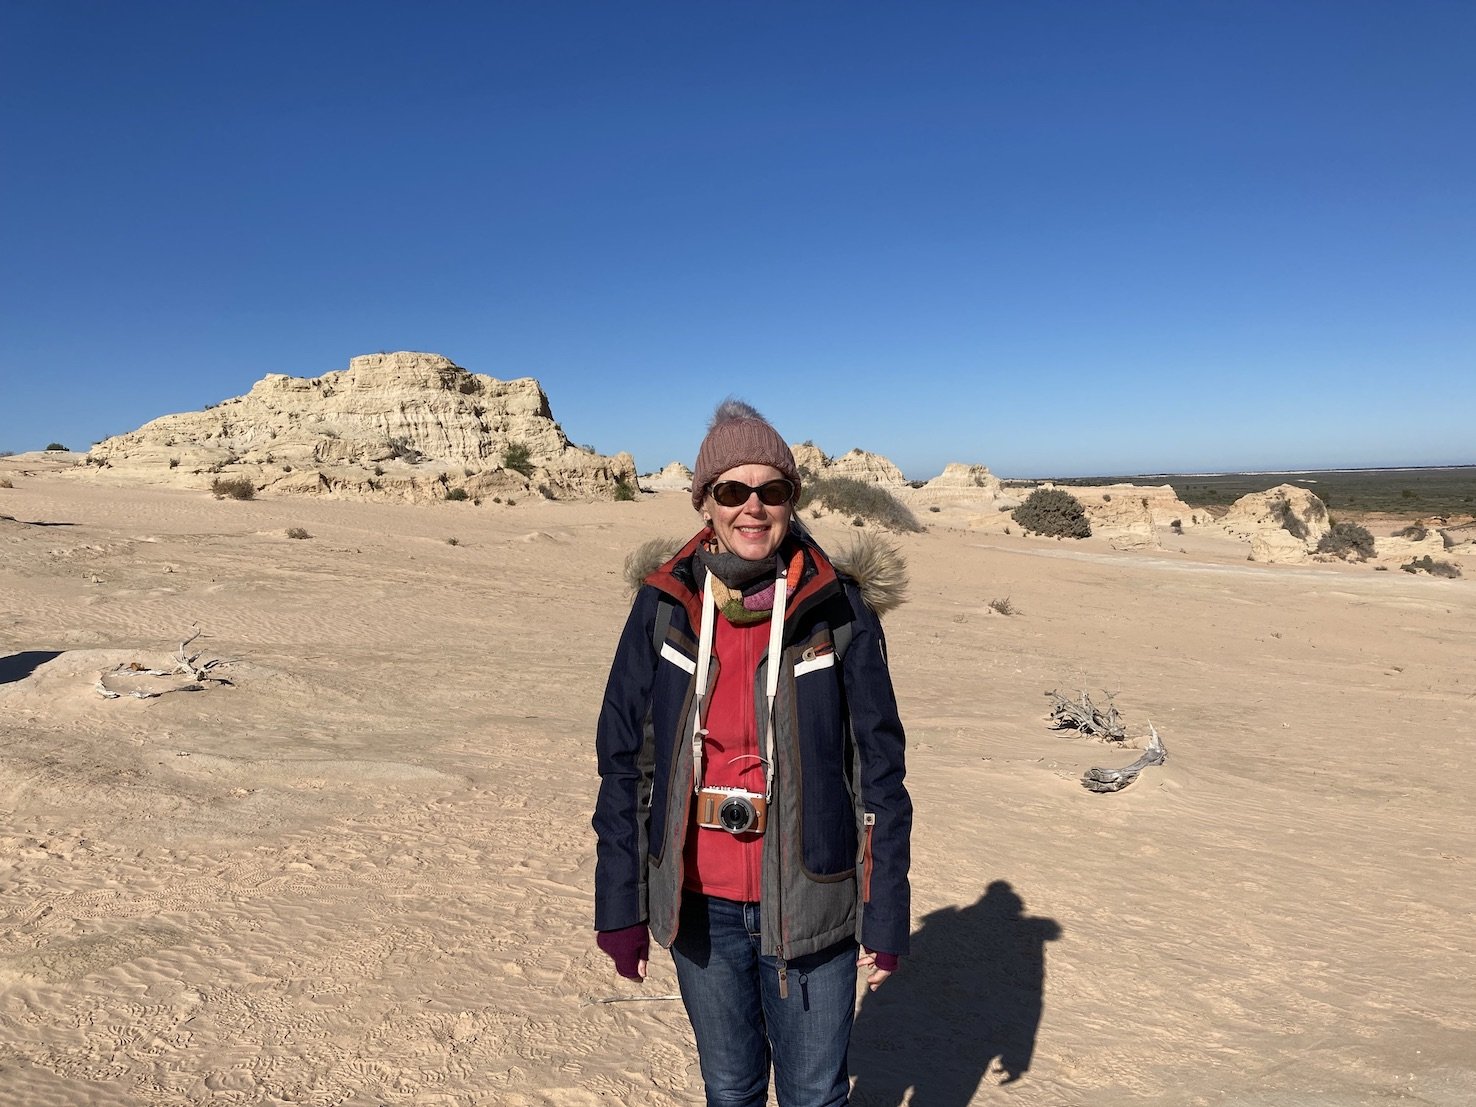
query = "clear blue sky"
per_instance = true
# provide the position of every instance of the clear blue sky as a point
(1052, 238)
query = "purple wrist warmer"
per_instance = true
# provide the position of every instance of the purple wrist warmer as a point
(626, 947)
(887, 962)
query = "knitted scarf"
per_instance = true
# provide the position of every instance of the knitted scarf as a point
(744, 590)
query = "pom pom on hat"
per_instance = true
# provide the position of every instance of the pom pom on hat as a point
(739, 435)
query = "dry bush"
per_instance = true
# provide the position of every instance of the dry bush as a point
(1348, 541)
(1434, 568)
(297, 532)
(862, 501)
(235, 488)
(1053, 512)
(1004, 607)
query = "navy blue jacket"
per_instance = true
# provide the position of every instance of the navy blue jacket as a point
(836, 853)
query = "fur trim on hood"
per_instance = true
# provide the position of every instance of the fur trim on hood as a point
(874, 563)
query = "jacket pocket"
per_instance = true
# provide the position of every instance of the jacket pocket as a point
(813, 661)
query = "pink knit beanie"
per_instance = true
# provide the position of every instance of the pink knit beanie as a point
(739, 435)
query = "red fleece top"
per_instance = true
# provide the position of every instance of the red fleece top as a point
(718, 863)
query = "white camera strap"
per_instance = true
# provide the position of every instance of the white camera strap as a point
(704, 663)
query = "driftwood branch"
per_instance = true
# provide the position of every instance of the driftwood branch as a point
(200, 674)
(1086, 717)
(190, 665)
(1114, 780)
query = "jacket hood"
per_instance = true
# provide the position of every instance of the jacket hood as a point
(874, 563)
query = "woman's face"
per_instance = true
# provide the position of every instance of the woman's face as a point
(753, 529)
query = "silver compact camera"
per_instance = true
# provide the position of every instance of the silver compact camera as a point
(736, 810)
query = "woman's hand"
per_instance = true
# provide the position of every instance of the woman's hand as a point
(878, 965)
(629, 948)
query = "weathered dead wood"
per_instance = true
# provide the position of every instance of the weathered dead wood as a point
(200, 673)
(191, 666)
(1086, 717)
(1114, 780)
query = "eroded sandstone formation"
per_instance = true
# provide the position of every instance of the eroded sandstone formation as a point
(412, 425)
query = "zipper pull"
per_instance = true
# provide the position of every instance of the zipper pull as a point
(783, 966)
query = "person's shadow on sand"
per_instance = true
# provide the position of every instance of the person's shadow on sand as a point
(970, 992)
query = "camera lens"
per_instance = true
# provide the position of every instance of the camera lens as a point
(736, 815)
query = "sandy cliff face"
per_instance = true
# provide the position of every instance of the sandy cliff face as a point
(413, 425)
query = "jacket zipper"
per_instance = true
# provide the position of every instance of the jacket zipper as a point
(868, 820)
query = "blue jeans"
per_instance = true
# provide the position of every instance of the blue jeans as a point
(732, 997)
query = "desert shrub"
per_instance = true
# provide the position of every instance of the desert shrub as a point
(235, 488)
(297, 532)
(401, 450)
(1053, 512)
(1414, 531)
(1347, 539)
(5, 483)
(517, 458)
(623, 491)
(1177, 526)
(1004, 607)
(57, 446)
(456, 494)
(1282, 511)
(1433, 567)
(174, 463)
(379, 470)
(935, 508)
(453, 541)
(864, 501)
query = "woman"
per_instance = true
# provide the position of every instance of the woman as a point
(752, 814)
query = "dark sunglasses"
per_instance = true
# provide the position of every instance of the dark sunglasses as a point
(734, 493)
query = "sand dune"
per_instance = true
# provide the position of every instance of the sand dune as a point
(361, 874)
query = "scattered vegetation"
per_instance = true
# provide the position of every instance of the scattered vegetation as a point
(863, 501)
(517, 458)
(1004, 607)
(456, 494)
(1053, 512)
(623, 491)
(1435, 568)
(1286, 516)
(1414, 532)
(1177, 526)
(401, 450)
(5, 483)
(1348, 541)
(1444, 491)
(935, 508)
(453, 541)
(174, 463)
(297, 532)
(235, 488)
(58, 446)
